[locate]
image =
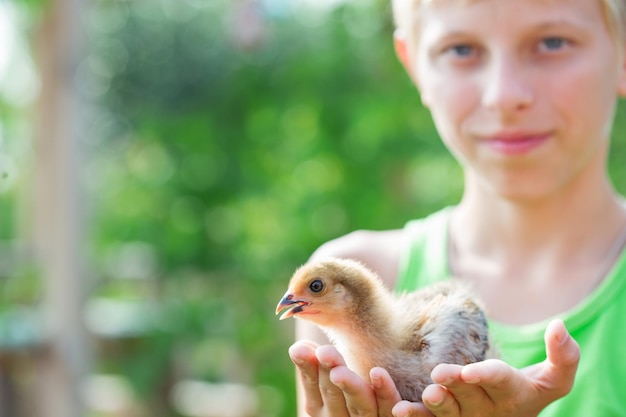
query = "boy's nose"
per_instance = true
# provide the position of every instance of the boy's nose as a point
(506, 87)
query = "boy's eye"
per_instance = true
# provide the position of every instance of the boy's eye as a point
(461, 50)
(553, 44)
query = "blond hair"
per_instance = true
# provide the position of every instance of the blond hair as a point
(404, 13)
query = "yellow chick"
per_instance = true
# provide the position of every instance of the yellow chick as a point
(407, 334)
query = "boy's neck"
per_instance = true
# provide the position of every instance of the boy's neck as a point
(575, 213)
(511, 251)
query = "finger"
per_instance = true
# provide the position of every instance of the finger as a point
(302, 354)
(563, 355)
(450, 376)
(385, 391)
(440, 401)
(309, 343)
(409, 409)
(503, 387)
(492, 375)
(332, 396)
(446, 373)
(467, 397)
(555, 376)
(358, 394)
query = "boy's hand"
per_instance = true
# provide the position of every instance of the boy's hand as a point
(330, 389)
(495, 389)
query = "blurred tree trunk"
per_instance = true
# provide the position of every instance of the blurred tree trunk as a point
(58, 226)
(7, 393)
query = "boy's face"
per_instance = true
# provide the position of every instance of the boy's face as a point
(522, 91)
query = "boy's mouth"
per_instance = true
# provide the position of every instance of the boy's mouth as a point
(515, 143)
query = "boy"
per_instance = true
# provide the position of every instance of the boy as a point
(523, 93)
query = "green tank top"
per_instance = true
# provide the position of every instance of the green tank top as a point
(598, 324)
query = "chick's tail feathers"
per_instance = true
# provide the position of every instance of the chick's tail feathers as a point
(452, 326)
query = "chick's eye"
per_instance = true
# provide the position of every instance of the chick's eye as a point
(316, 286)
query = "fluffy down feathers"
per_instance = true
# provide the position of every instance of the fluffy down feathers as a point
(407, 334)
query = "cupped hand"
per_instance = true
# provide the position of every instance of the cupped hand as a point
(493, 388)
(330, 389)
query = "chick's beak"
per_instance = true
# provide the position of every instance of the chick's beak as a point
(292, 306)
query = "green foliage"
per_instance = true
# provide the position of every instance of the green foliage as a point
(231, 163)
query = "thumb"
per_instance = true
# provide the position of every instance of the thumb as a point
(563, 355)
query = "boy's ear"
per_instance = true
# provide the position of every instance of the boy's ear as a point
(402, 49)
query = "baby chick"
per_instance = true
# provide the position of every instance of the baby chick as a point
(407, 334)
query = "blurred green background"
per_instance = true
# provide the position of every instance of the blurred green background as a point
(222, 141)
